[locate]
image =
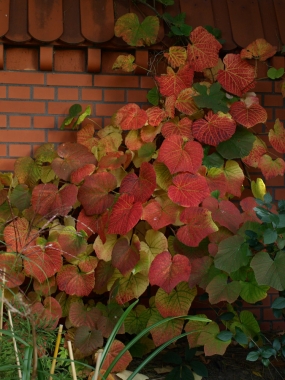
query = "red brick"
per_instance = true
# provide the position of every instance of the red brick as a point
(3, 150)
(7, 164)
(69, 80)
(69, 60)
(279, 194)
(277, 62)
(91, 94)
(17, 92)
(277, 86)
(3, 121)
(268, 315)
(134, 96)
(22, 58)
(44, 122)
(21, 77)
(61, 108)
(115, 81)
(19, 150)
(23, 136)
(278, 326)
(276, 181)
(265, 326)
(43, 93)
(2, 91)
(20, 121)
(280, 113)
(147, 82)
(258, 128)
(61, 136)
(269, 113)
(107, 109)
(67, 94)
(262, 69)
(264, 86)
(114, 95)
(273, 100)
(17, 106)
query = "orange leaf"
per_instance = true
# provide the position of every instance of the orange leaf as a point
(185, 102)
(277, 136)
(113, 352)
(173, 83)
(271, 168)
(130, 117)
(176, 56)
(258, 149)
(248, 112)
(178, 127)
(155, 116)
(259, 49)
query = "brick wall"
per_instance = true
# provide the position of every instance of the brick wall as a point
(33, 104)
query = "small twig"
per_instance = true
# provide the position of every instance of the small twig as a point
(15, 345)
(55, 351)
(72, 360)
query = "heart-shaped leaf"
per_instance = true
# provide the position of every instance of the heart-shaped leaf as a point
(73, 282)
(87, 339)
(83, 315)
(124, 256)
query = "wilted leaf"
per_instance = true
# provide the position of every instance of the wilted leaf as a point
(125, 62)
(135, 34)
(259, 49)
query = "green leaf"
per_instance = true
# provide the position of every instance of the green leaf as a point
(253, 356)
(269, 236)
(135, 34)
(266, 216)
(269, 272)
(276, 344)
(251, 292)
(80, 119)
(268, 352)
(214, 160)
(226, 316)
(212, 98)
(232, 254)
(278, 303)
(146, 150)
(153, 96)
(199, 368)
(27, 363)
(166, 2)
(180, 373)
(172, 358)
(240, 336)
(239, 145)
(21, 197)
(224, 336)
(219, 289)
(273, 73)
(75, 110)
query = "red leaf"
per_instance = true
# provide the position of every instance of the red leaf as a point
(48, 314)
(140, 187)
(271, 168)
(48, 200)
(155, 116)
(185, 102)
(173, 83)
(45, 288)
(113, 160)
(238, 76)
(160, 212)
(130, 117)
(188, 190)
(225, 213)
(13, 264)
(124, 256)
(179, 156)
(167, 271)
(94, 193)
(248, 115)
(234, 176)
(43, 262)
(72, 156)
(94, 224)
(124, 215)
(78, 175)
(113, 352)
(248, 204)
(18, 236)
(214, 129)
(216, 180)
(87, 339)
(199, 224)
(258, 149)
(203, 50)
(169, 105)
(258, 49)
(277, 136)
(72, 282)
(85, 136)
(103, 273)
(83, 315)
(177, 127)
